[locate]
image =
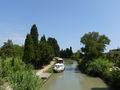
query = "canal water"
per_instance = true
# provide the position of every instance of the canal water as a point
(73, 79)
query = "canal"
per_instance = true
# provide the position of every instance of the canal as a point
(73, 79)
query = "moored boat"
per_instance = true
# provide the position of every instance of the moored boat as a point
(59, 67)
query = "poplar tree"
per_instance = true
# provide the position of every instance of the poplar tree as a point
(28, 50)
(34, 34)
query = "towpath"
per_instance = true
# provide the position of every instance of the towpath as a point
(41, 71)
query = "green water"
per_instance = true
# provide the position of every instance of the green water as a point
(73, 79)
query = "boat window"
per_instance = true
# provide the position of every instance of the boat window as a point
(60, 61)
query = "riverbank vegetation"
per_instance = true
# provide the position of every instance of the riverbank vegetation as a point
(93, 61)
(18, 63)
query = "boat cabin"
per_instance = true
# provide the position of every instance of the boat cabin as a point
(60, 60)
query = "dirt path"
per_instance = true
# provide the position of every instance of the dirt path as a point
(39, 72)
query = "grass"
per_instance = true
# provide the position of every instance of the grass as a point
(50, 70)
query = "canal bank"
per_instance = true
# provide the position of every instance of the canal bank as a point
(73, 79)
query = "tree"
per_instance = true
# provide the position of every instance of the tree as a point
(7, 49)
(53, 43)
(28, 56)
(94, 45)
(77, 55)
(34, 34)
(46, 51)
(71, 52)
(67, 53)
(11, 50)
(43, 39)
(62, 53)
(18, 51)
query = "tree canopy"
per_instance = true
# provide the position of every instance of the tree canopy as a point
(54, 44)
(11, 50)
(94, 44)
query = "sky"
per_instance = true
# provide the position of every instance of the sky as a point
(65, 20)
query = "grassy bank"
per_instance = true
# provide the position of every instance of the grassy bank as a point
(50, 70)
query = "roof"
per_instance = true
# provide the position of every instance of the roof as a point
(59, 64)
(60, 59)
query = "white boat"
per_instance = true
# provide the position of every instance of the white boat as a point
(59, 67)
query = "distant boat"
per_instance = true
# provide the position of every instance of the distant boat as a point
(60, 60)
(59, 67)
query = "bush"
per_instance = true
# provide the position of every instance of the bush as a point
(117, 63)
(14, 64)
(98, 66)
(115, 77)
(2, 72)
(24, 80)
(9, 65)
(29, 67)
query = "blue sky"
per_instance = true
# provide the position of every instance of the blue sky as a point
(65, 20)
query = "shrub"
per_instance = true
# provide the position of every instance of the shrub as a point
(29, 67)
(115, 77)
(98, 66)
(118, 63)
(24, 80)
(2, 72)
(14, 64)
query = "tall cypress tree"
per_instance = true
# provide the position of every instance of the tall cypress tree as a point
(46, 52)
(43, 39)
(71, 52)
(28, 50)
(53, 43)
(34, 34)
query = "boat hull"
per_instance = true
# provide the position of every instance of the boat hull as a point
(57, 71)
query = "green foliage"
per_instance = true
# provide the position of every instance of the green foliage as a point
(66, 53)
(115, 77)
(34, 35)
(118, 63)
(43, 39)
(24, 80)
(28, 50)
(46, 51)
(11, 50)
(98, 66)
(77, 55)
(113, 55)
(12, 62)
(18, 64)
(94, 45)
(18, 51)
(2, 72)
(50, 70)
(29, 66)
(7, 48)
(53, 43)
